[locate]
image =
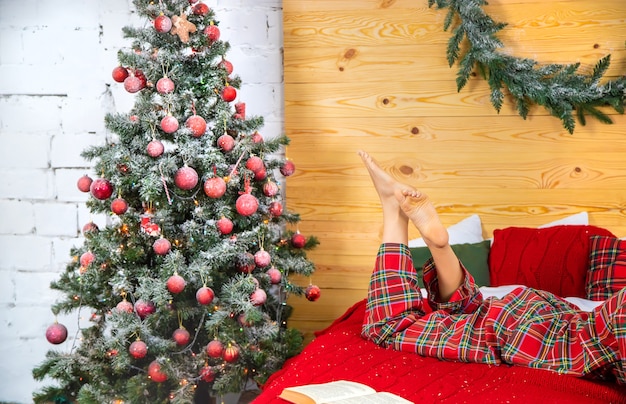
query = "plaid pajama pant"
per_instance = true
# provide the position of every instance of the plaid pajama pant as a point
(527, 327)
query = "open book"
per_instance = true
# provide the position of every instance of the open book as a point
(339, 392)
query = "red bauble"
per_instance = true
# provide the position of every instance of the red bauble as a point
(270, 188)
(84, 183)
(276, 208)
(165, 85)
(262, 258)
(56, 333)
(181, 336)
(247, 204)
(205, 295)
(240, 108)
(101, 189)
(144, 309)
(155, 148)
(258, 297)
(226, 142)
(312, 293)
(225, 225)
(119, 74)
(231, 354)
(142, 77)
(215, 349)
(186, 178)
(215, 187)
(200, 9)
(90, 227)
(132, 84)
(176, 283)
(229, 93)
(163, 23)
(288, 168)
(138, 349)
(124, 306)
(257, 137)
(119, 206)
(169, 124)
(275, 275)
(196, 124)
(246, 263)
(207, 374)
(162, 246)
(260, 175)
(298, 240)
(226, 65)
(255, 164)
(154, 371)
(87, 258)
(212, 33)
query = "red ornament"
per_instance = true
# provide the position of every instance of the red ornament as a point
(240, 108)
(101, 189)
(215, 349)
(176, 284)
(154, 371)
(246, 263)
(119, 74)
(231, 353)
(161, 246)
(163, 23)
(186, 178)
(212, 33)
(270, 188)
(196, 124)
(276, 208)
(142, 77)
(155, 148)
(165, 85)
(247, 204)
(207, 374)
(119, 206)
(288, 168)
(229, 93)
(86, 258)
(84, 183)
(132, 84)
(144, 309)
(181, 336)
(226, 65)
(225, 225)
(257, 137)
(312, 293)
(90, 227)
(138, 349)
(255, 164)
(56, 333)
(205, 295)
(169, 124)
(124, 306)
(298, 240)
(262, 258)
(275, 275)
(200, 9)
(260, 175)
(258, 297)
(226, 143)
(215, 187)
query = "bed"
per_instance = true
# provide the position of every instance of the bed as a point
(579, 261)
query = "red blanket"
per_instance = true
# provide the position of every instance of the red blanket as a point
(339, 352)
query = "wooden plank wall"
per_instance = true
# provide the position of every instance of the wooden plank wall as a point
(372, 74)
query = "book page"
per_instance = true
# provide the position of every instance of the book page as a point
(378, 398)
(328, 392)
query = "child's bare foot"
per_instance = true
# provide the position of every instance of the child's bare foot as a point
(385, 185)
(420, 210)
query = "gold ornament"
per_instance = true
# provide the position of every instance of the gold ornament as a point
(182, 27)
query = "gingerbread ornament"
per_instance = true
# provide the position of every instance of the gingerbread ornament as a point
(182, 27)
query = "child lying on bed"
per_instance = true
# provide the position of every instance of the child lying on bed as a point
(526, 327)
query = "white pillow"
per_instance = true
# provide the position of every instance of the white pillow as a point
(468, 230)
(581, 218)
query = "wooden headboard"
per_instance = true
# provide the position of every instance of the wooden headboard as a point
(373, 74)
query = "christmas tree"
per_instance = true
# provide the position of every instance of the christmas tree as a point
(187, 283)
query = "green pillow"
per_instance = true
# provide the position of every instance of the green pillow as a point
(475, 257)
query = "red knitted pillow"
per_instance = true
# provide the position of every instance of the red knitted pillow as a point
(554, 259)
(607, 270)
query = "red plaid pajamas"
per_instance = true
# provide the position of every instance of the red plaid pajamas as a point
(527, 327)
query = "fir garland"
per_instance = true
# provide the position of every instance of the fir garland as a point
(560, 89)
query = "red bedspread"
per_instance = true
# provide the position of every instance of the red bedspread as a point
(339, 352)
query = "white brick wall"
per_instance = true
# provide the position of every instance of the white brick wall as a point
(55, 88)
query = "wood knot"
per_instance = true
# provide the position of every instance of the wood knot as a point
(406, 170)
(415, 130)
(350, 53)
(387, 3)
(577, 169)
(385, 101)
(596, 45)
